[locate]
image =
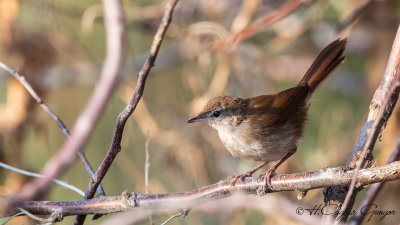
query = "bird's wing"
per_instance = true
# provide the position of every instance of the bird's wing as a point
(267, 110)
(290, 101)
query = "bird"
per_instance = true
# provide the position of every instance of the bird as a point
(268, 128)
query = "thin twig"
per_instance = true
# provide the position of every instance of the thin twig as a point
(285, 182)
(88, 118)
(147, 166)
(373, 191)
(180, 214)
(115, 32)
(147, 159)
(31, 174)
(51, 113)
(131, 106)
(124, 115)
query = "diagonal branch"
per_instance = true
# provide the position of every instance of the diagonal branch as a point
(389, 100)
(373, 191)
(340, 176)
(381, 107)
(90, 114)
(131, 106)
(51, 113)
(124, 115)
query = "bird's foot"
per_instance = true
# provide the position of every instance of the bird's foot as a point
(241, 177)
(267, 178)
(248, 174)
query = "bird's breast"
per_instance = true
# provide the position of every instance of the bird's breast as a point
(267, 147)
(236, 144)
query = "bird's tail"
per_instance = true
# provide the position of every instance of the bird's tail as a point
(326, 62)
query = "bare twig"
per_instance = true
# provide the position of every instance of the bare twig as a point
(147, 159)
(373, 191)
(285, 182)
(181, 214)
(51, 113)
(147, 166)
(124, 115)
(92, 111)
(27, 173)
(114, 23)
(381, 107)
(131, 106)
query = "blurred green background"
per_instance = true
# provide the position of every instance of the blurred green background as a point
(60, 46)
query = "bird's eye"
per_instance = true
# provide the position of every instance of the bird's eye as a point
(216, 113)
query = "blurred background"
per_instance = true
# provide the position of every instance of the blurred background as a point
(210, 49)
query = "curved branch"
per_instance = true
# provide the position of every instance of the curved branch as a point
(53, 115)
(340, 176)
(91, 113)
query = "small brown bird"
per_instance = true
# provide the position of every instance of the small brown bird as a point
(268, 127)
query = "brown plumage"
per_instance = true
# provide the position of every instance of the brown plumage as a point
(268, 127)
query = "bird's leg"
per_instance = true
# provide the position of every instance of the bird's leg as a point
(271, 171)
(248, 173)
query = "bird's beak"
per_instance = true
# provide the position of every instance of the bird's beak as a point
(198, 118)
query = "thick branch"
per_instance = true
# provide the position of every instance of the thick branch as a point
(381, 107)
(290, 182)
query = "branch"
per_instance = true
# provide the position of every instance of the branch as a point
(381, 107)
(90, 114)
(384, 111)
(131, 106)
(373, 191)
(124, 115)
(269, 205)
(340, 176)
(382, 104)
(31, 174)
(51, 113)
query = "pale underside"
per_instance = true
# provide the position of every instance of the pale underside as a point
(274, 146)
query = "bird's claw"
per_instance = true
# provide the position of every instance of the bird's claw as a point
(267, 179)
(241, 177)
